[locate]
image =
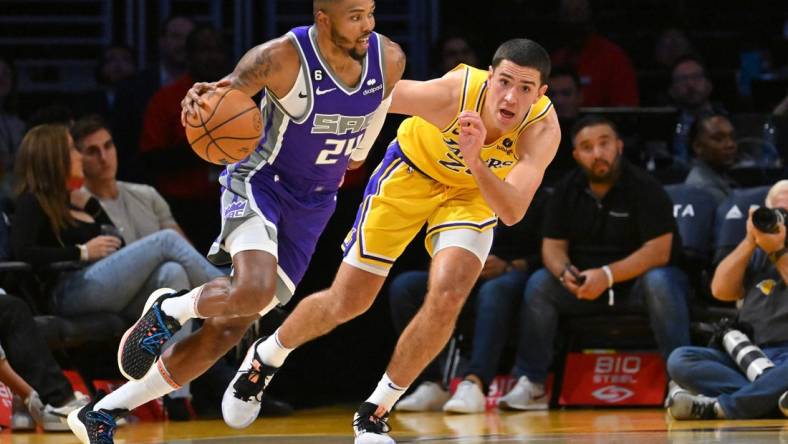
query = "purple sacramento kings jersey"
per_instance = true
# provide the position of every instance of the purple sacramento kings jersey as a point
(291, 179)
(315, 147)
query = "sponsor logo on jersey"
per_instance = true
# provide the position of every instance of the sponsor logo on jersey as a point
(373, 89)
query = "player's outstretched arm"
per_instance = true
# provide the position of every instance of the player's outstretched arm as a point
(395, 67)
(435, 100)
(273, 65)
(536, 148)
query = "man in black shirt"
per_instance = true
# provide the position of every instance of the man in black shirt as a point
(609, 246)
(756, 272)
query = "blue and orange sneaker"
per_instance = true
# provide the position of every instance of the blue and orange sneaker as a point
(141, 344)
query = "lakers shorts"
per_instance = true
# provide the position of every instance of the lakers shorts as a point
(398, 201)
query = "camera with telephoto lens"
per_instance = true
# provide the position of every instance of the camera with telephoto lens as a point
(729, 336)
(767, 220)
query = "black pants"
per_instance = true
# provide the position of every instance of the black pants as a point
(28, 354)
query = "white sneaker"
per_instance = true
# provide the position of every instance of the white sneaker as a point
(467, 399)
(685, 405)
(241, 400)
(54, 418)
(525, 396)
(428, 396)
(673, 389)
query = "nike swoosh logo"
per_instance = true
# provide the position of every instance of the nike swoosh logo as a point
(302, 95)
(320, 92)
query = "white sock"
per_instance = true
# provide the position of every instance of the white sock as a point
(155, 384)
(272, 352)
(386, 394)
(183, 307)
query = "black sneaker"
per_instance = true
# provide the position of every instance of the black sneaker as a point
(94, 426)
(371, 429)
(784, 404)
(685, 405)
(242, 398)
(141, 344)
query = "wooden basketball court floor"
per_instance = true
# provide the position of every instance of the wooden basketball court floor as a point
(331, 426)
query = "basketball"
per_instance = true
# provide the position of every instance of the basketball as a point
(226, 128)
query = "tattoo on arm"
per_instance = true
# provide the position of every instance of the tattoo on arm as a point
(253, 70)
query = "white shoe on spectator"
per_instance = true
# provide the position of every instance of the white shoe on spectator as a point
(427, 397)
(685, 405)
(54, 418)
(467, 399)
(673, 389)
(784, 404)
(525, 395)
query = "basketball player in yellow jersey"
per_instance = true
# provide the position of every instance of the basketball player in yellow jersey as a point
(477, 147)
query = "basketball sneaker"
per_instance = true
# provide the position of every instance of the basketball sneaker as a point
(241, 400)
(524, 396)
(428, 396)
(685, 405)
(141, 344)
(784, 404)
(369, 428)
(94, 426)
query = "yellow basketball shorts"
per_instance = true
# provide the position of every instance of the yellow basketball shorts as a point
(397, 202)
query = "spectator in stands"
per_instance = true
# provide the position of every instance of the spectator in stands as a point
(115, 65)
(672, 44)
(452, 51)
(137, 210)
(11, 126)
(565, 93)
(610, 244)
(713, 141)
(690, 91)
(133, 95)
(605, 70)
(54, 224)
(179, 175)
(515, 252)
(28, 368)
(755, 274)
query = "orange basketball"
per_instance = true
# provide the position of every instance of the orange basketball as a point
(226, 128)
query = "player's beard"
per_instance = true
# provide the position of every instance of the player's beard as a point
(341, 42)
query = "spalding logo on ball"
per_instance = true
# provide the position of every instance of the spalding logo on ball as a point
(226, 128)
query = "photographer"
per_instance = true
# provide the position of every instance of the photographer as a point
(757, 271)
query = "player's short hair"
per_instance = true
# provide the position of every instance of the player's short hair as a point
(524, 52)
(321, 4)
(86, 126)
(593, 120)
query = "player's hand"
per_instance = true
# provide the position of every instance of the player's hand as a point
(595, 283)
(195, 96)
(472, 135)
(493, 267)
(102, 246)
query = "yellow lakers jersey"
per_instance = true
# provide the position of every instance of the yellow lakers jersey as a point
(436, 152)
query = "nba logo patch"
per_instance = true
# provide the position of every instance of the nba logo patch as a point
(235, 209)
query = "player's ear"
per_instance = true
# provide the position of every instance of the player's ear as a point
(321, 17)
(490, 72)
(542, 90)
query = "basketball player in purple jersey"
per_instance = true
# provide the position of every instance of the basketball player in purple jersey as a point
(325, 97)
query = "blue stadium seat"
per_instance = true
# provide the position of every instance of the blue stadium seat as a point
(694, 210)
(730, 219)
